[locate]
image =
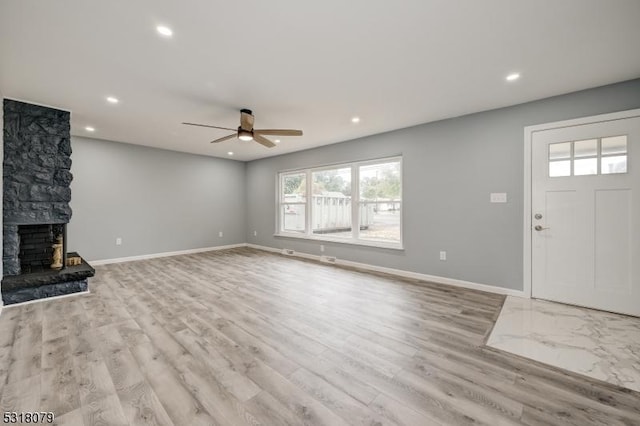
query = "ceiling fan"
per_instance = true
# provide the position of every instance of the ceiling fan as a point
(246, 132)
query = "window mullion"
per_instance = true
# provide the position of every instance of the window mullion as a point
(355, 202)
(280, 195)
(401, 204)
(309, 203)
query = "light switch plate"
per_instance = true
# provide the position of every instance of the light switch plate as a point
(498, 197)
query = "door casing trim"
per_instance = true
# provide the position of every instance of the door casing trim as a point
(529, 131)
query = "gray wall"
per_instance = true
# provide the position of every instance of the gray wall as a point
(450, 168)
(155, 200)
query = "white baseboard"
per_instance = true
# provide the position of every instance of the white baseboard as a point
(364, 266)
(165, 254)
(405, 274)
(46, 299)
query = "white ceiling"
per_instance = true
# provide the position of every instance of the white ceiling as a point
(303, 64)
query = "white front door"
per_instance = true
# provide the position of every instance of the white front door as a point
(586, 215)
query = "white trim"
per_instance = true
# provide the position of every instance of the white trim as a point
(165, 254)
(328, 166)
(528, 137)
(361, 242)
(276, 250)
(526, 249)
(46, 299)
(402, 273)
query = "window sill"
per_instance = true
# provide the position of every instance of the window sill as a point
(376, 244)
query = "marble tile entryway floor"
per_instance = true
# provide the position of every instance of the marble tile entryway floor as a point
(597, 344)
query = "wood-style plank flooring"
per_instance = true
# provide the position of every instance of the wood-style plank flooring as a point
(245, 337)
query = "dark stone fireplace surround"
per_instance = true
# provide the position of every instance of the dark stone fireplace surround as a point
(36, 191)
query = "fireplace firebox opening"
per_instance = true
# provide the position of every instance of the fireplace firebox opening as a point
(42, 247)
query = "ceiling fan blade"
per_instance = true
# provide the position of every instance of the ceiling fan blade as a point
(225, 138)
(246, 120)
(263, 141)
(278, 132)
(206, 125)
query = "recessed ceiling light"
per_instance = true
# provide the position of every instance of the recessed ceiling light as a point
(112, 100)
(513, 77)
(165, 31)
(90, 129)
(355, 120)
(230, 153)
(276, 141)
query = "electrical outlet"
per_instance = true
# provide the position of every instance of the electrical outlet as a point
(322, 248)
(255, 233)
(220, 234)
(118, 241)
(443, 255)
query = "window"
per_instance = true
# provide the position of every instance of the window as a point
(368, 194)
(607, 155)
(293, 202)
(331, 205)
(614, 155)
(380, 201)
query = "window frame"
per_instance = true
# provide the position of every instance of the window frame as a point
(281, 201)
(355, 204)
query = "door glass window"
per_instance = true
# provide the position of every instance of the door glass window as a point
(614, 155)
(614, 145)
(585, 166)
(560, 159)
(588, 148)
(559, 168)
(614, 164)
(559, 151)
(607, 155)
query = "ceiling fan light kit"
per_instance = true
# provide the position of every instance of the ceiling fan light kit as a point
(246, 132)
(244, 135)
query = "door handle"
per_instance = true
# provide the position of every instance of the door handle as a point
(539, 228)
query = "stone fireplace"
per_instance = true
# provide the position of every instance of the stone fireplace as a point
(36, 191)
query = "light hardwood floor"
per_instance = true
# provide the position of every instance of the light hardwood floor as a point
(244, 337)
